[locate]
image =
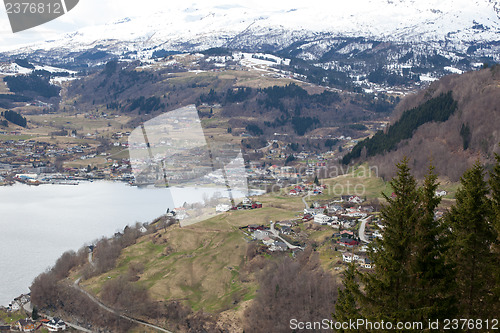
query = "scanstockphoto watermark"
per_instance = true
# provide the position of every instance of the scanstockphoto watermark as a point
(328, 324)
(365, 324)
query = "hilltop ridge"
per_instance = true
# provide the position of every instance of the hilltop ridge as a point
(469, 134)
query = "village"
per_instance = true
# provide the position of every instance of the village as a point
(353, 226)
(34, 163)
(19, 316)
(350, 222)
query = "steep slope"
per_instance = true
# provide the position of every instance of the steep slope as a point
(470, 133)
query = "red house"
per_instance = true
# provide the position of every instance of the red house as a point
(256, 205)
(347, 242)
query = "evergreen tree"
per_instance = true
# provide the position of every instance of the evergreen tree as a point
(34, 313)
(431, 275)
(316, 180)
(346, 307)
(495, 192)
(472, 236)
(388, 287)
(495, 198)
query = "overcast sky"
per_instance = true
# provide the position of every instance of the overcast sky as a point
(87, 12)
(97, 12)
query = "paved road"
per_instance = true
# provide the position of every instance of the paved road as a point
(308, 195)
(113, 311)
(362, 226)
(277, 235)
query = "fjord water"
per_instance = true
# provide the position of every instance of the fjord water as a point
(39, 223)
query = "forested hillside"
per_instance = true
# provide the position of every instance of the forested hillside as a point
(437, 109)
(237, 99)
(454, 122)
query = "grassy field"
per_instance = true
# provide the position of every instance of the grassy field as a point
(360, 181)
(199, 264)
(79, 123)
(365, 183)
(11, 317)
(5, 137)
(253, 79)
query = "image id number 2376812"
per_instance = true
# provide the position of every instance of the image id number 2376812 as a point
(33, 7)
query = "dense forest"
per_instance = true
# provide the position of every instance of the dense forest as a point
(34, 83)
(437, 109)
(15, 118)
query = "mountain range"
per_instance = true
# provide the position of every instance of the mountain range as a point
(331, 35)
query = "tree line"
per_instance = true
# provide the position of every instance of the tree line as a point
(429, 268)
(15, 118)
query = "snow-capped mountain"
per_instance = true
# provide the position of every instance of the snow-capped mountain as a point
(379, 40)
(256, 24)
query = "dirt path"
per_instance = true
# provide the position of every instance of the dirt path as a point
(115, 312)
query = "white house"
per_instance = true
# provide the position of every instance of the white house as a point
(181, 214)
(334, 208)
(313, 211)
(363, 248)
(55, 325)
(322, 219)
(15, 306)
(354, 212)
(260, 234)
(366, 263)
(267, 241)
(355, 199)
(221, 208)
(349, 257)
(441, 193)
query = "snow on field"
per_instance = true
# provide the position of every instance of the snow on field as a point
(60, 79)
(13, 69)
(260, 60)
(428, 78)
(453, 70)
(53, 69)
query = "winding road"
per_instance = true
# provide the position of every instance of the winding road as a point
(277, 235)
(308, 195)
(362, 227)
(115, 312)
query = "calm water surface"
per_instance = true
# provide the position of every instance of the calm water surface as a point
(39, 223)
